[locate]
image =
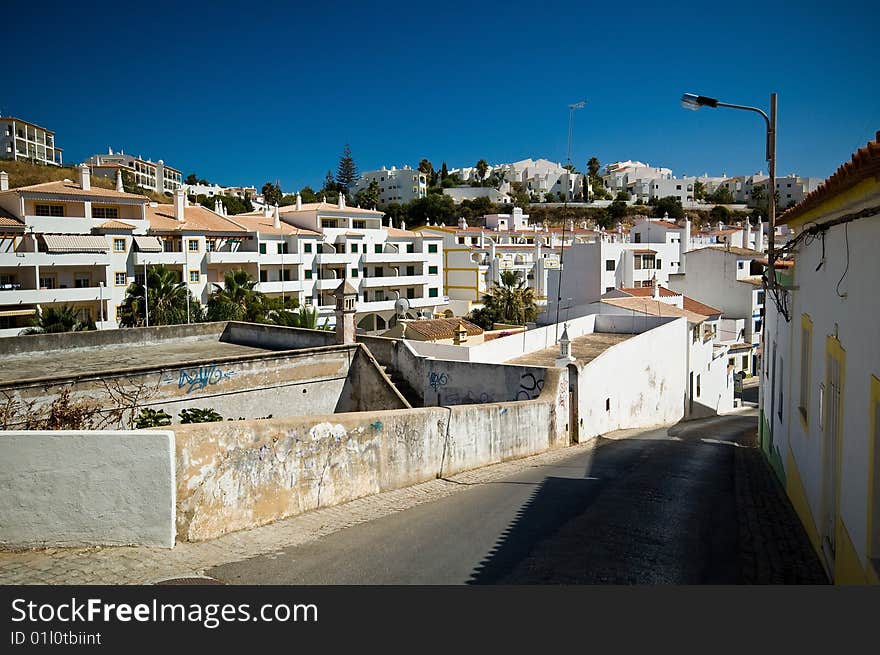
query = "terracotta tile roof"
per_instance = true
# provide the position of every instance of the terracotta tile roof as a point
(697, 307)
(739, 346)
(63, 187)
(10, 221)
(865, 163)
(667, 224)
(328, 206)
(441, 328)
(198, 218)
(266, 225)
(115, 225)
(645, 251)
(653, 307)
(735, 250)
(729, 230)
(754, 280)
(647, 292)
(779, 263)
(397, 232)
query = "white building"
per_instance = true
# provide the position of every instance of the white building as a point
(69, 243)
(536, 176)
(211, 190)
(461, 193)
(158, 176)
(728, 278)
(620, 175)
(23, 140)
(820, 392)
(396, 185)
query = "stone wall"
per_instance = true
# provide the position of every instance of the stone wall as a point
(237, 475)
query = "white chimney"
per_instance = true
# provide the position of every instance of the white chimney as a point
(119, 186)
(85, 178)
(747, 233)
(218, 206)
(267, 211)
(759, 236)
(4, 181)
(179, 214)
(402, 225)
(655, 292)
(684, 244)
(340, 203)
(299, 202)
(462, 223)
(720, 226)
(276, 223)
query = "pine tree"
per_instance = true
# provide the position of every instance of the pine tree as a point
(347, 173)
(444, 172)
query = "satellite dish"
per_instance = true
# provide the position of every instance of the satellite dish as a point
(401, 307)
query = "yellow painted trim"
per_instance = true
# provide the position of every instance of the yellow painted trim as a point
(837, 202)
(794, 487)
(115, 283)
(847, 566)
(456, 250)
(452, 286)
(198, 247)
(804, 416)
(873, 549)
(124, 244)
(198, 276)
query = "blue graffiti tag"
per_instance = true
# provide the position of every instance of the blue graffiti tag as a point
(436, 380)
(196, 379)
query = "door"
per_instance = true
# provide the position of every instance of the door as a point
(831, 448)
(691, 394)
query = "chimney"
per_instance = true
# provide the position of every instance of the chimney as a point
(462, 223)
(402, 225)
(178, 206)
(85, 177)
(684, 244)
(747, 233)
(655, 288)
(217, 206)
(119, 186)
(299, 202)
(720, 226)
(267, 211)
(4, 181)
(759, 236)
(276, 223)
(340, 203)
(460, 334)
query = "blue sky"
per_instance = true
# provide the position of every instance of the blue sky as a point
(244, 93)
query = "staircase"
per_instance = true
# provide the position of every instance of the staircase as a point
(403, 386)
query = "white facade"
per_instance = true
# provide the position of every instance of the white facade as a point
(396, 185)
(461, 193)
(820, 400)
(153, 176)
(21, 140)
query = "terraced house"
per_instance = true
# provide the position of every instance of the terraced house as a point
(820, 405)
(69, 243)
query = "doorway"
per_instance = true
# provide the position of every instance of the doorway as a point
(833, 402)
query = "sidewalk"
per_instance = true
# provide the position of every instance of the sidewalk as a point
(147, 565)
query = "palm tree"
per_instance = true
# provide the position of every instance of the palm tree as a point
(58, 319)
(237, 299)
(167, 300)
(511, 301)
(482, 167)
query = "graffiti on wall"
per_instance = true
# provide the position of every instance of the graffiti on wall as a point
(529, 387)
(437, 380)
(198, 378)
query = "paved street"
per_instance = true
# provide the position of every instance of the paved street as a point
(693, 504)
(656, 507)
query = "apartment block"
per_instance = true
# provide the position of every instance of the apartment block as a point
(396, 185)
(158, 176)
(25, 141)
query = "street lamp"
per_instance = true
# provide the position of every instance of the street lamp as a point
(577, 105)
(693, 102)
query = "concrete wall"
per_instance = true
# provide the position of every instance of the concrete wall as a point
(288, 383)
(652, 390)
(241, 474)
(275, 337)
(68, 488)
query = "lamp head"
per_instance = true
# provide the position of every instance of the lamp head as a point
(578, 105)
(693, 102)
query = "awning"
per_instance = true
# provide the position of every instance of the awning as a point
(75, 243)
(18, 312)
(148, 244)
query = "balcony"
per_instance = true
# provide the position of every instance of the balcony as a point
(328, 284)
(287, 259)
(22, 259)
(387, 305)
(289, 286)
(238, 257)
(168, 258)
(384, 257)
(43, 296)
(394, 281)
(335, 258)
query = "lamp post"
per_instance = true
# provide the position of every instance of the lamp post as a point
(693, 102)
(571, 108)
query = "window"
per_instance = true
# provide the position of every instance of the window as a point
(262, 248)
(745, 363)
(119, 278)
(610, 264)
(82, 280)
(731, 362)
(806, 353)
(698, 386)
(328, 222)
(192, 245)
(432, 292)
(607, 289)
(281, 248)
(460, 241)
(118, 245)
(638, 238)
(380, 295)
(308, 274)
(410, 247)
(354, 272)
(105, 212)
(378, 272)
(264, 275)
(359, 225)
(354, 247)
(432, 247)
(659, 264)
(410, 270)
(378, 249)
(193, 277)
(285, 275)
(760, 297)
(307, 247)
(432, 270)
(410, 292)
(211, 245)
(474, 242)
(757, 327)
(139, 278)
(50, 210)
(308, 300)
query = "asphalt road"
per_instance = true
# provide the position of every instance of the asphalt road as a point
(654, 508)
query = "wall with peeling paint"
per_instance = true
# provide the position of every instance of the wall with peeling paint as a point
(72, 488)
(240, 474)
